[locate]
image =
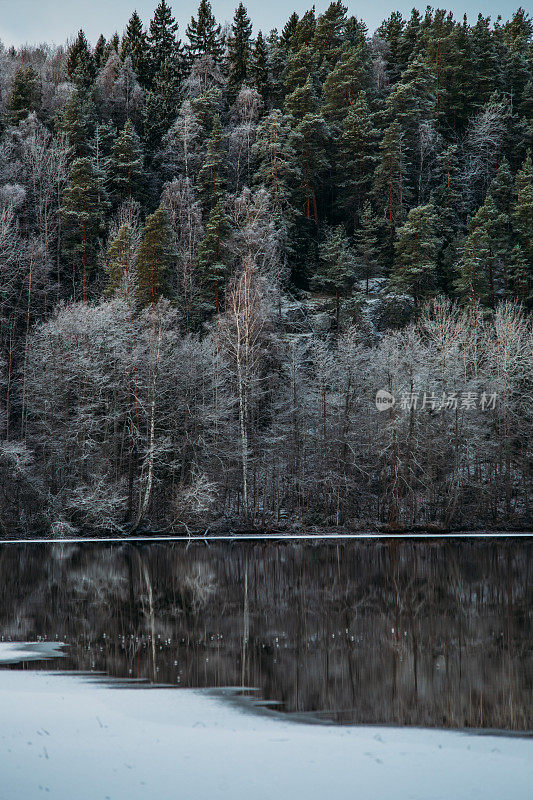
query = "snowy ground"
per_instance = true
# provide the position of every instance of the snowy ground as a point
(75, 737)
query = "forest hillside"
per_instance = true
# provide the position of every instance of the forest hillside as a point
(268, 279)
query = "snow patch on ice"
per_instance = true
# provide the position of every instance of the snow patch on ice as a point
(71, 737)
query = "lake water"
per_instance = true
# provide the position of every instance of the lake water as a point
(403, 633)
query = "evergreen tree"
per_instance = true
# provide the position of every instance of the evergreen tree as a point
(329, 36)
(521, 274)
(522, 211)
(100, 52)
(259, 69)
(389, 188)
(120, 263)
(447, 199)
(162, 104)
(166, 52)
(411, 104)
(365, 245)
(416, 253)
(77, 121)
(301, 72)
(286, 38)
(135, 45)
(25, 95)
(336, 271)
(485, 61)
(83, 209)
(204, 34)
(210, 263)
(211, 174)
(127, 164)
(391, 30)
(275, 157)
(475, 279)
(155, 257)
(81, 66)
(304, 31)
(357, 156)
(345, 81)
(239, 52)
(311, 136)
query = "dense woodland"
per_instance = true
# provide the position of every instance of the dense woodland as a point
(215, 250)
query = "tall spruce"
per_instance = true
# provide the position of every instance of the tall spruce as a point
(83, 211)
(416, 249)
(155, 259)
(239, 52)
(205, 35)
(127, 164)
(212, 260)
(135, 46)
(81, 66)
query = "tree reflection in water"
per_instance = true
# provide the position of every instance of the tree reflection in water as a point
(410, 633)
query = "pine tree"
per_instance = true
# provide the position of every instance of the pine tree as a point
(127, 164)
(522, 211)
(391, 30)
(211, 175)
(166, 51)
(135, 45)
(100, 52)
(345, 81)
(336, 266)
(275, 157)
(304, 31)
(447, 199)
(357, 156)
(475, 268)
(311, 136)
(162, 104)
(25, 95)
(81, 66)
(239, 52)
(83, 209)
(301, 77)
(77, 121)
(485, 61)
(259, 69)
(210, 263)
(155, 257)
(365, 245)
(329, 36)
(120, 263)
(521, 274)
(289, 29)
(389, 188)
(416, 252)
(412, 103)
(204, 34)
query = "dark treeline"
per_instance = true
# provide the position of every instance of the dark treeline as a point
(213, 253)
(406, 634)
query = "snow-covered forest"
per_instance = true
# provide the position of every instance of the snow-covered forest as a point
(217, 245)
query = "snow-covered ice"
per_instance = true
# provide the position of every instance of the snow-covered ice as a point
(14, 652)
(73, 737)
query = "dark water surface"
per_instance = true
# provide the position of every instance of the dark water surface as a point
(404, 633)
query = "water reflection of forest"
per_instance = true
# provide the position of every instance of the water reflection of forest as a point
(402, 633)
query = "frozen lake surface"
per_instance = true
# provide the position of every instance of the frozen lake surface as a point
(75, 737)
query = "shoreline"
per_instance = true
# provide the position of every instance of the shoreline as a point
(278, 537)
